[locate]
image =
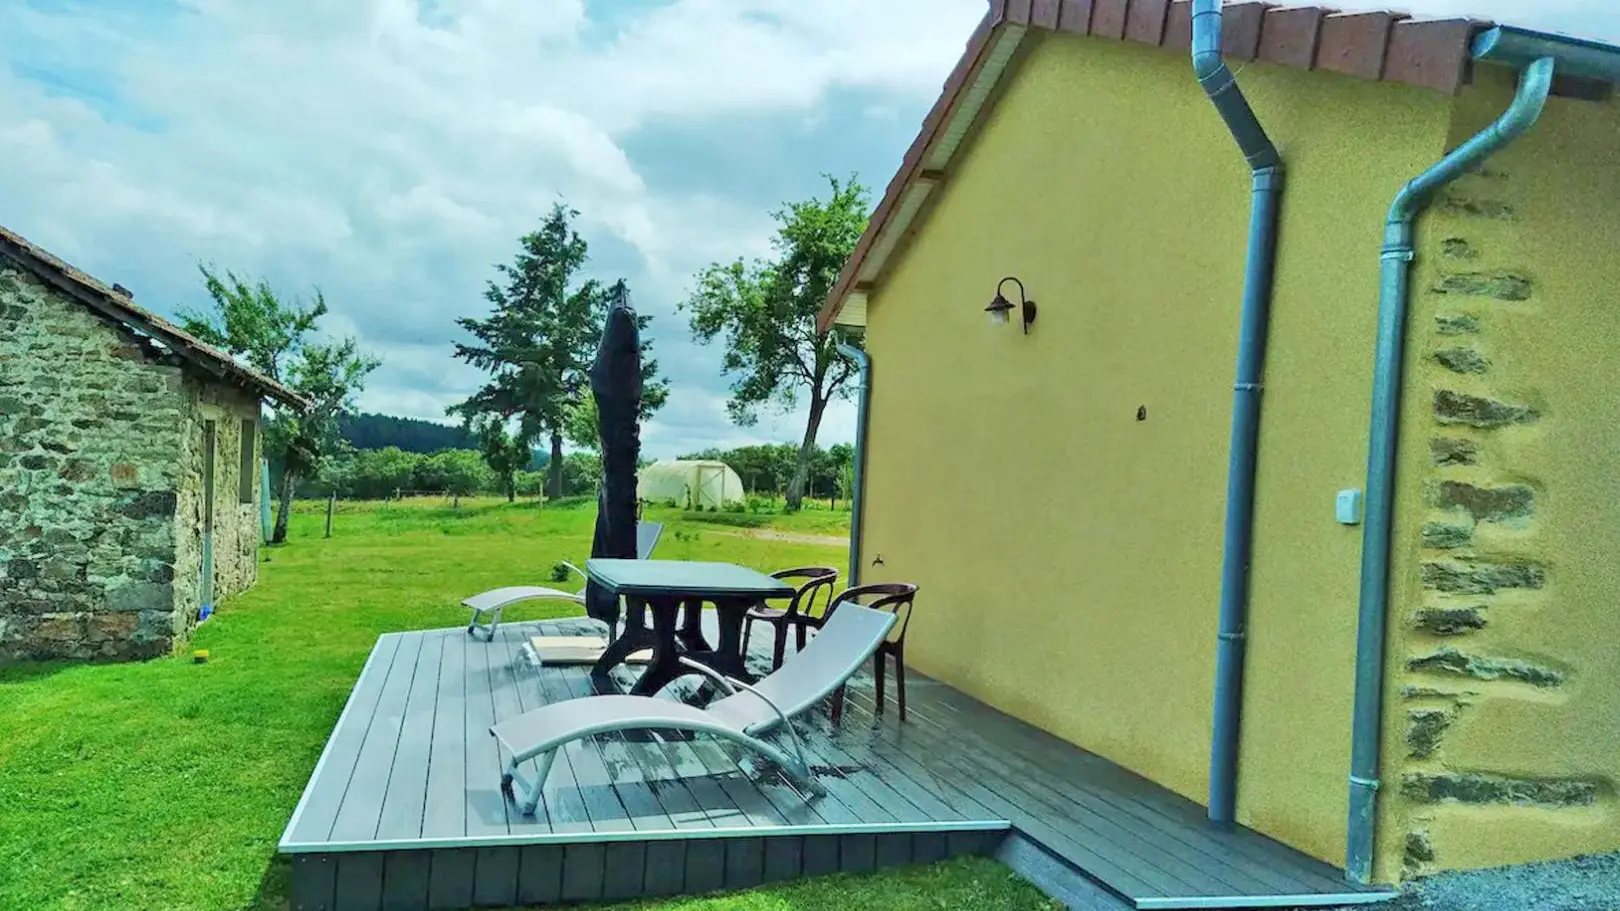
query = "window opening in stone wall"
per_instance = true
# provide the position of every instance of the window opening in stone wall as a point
(246, 473)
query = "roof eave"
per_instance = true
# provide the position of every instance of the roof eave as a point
(120, 309)
(1385, 46)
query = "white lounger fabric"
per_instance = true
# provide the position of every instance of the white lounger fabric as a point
(843, 645)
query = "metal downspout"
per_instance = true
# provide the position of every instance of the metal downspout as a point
(1265, 165)
(264, 499)
(1534, 85)
(863, 363)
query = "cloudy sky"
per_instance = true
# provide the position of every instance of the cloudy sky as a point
(391, 151)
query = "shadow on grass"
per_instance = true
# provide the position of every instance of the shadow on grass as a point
(29, 671)
(275, 887)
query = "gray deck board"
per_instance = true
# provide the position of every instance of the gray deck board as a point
(444, 811)
(487, 812)
(362, 800)
(1068, 770)
(410, 779)
(312, 819)
(405, 788)
(1260, 862)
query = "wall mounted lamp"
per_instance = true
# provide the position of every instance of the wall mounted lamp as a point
(1000, 309)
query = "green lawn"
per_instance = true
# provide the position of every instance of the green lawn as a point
(166, 784)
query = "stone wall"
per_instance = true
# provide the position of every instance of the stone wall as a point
(89, 466)
(236, 524)
(1501, 741)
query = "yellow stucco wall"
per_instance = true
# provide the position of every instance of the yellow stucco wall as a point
(1068, 554)
(1528, 254)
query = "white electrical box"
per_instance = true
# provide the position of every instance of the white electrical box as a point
(1347, 507)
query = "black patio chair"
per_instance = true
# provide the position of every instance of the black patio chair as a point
(818, 586)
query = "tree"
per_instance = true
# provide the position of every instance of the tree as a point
(766, 312)
(538, 342)
(583, 427)
(457, 472)
(251, 322)
(504, 453)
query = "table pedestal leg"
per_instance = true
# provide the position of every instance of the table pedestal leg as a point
(666, 654)
(635, 637)
(691, 633)
(728, 658)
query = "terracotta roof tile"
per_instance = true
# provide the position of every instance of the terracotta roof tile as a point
(1356, 43)
(1389, 46)
(1145, 21)
(1075, 16)
(1108, 18)
(1291, 36)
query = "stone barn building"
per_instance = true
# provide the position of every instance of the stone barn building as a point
(129, 455)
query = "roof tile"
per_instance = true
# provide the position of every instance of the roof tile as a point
(1145, 21)
(1432, 53)
(1355, 43)
(1108, 18)
(1075, 16)
(1289, 36)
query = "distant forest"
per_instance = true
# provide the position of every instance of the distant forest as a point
(764, 470)
(379, 431)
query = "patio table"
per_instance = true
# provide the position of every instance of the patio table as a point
(662, 588)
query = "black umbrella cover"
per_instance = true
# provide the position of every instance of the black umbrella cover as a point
(616, 384)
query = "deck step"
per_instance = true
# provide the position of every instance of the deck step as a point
(616, 870)
(1056, 877)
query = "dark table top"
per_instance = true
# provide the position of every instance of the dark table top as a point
(655, 578)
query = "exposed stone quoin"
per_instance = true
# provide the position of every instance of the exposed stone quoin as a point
(1450, 621)
(1462, 360)
(1485, 504)
(1424, 729)
(1499, 285)
(1446, 536)
(1419, 850)
(1455, 204)
(1458, 248)
(1452, 407)
(1451, 661)
(1470, 577)
(1475, 788)
(1453, 451)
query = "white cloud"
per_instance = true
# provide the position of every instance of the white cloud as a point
(391, 151)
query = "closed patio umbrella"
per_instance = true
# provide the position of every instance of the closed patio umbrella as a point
(616, 384)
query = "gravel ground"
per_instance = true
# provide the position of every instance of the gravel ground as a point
(1580, 884)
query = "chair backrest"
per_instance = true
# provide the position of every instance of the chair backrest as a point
(894, 597)
(647, 535)
(814, 596)
(809, 676)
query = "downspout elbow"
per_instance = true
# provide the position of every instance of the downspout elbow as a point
(1535, 85)
(1221, 86)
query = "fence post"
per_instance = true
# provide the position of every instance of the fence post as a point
(331, 504)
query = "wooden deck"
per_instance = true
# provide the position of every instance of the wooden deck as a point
(404, 810)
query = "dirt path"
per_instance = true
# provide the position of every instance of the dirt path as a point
(767, 534)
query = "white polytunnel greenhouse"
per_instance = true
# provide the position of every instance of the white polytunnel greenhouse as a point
(689, 483)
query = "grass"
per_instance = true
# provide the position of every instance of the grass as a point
(166, 784)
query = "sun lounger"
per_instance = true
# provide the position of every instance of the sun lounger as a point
(852, 633)
(496, 600)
